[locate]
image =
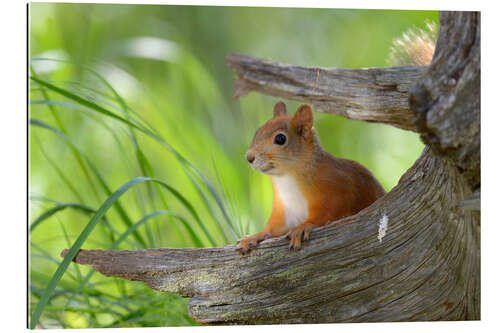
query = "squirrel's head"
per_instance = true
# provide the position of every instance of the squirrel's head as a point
(283, 141)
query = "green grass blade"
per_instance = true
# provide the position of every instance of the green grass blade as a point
(79, 275)
(44, 299)
(60, 173)
(142, 160)
(119, 208)
(85, 102)
(73, 150)
(152, 215)
(127, 233)
(78, 207)
(76, 247)
(48, 213)
(179, 197)
(117, 96)
(184, 162)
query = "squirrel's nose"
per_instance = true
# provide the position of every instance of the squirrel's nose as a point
(250, 158)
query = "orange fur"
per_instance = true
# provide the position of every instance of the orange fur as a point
(324, 187)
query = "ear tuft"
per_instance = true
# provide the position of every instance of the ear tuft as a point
(303, 117)
(279, 109)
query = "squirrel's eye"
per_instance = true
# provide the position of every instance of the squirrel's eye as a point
(280, 139)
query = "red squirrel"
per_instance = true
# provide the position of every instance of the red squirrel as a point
(311, 187)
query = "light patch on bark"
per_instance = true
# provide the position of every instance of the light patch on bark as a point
(382, 227)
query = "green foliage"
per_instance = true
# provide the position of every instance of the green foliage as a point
(136, 143)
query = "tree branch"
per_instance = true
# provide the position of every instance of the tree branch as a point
(374, 94)
(344, 274)
(447, 100)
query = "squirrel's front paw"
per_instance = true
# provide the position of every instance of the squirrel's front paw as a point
(297, 234)
(246, 244)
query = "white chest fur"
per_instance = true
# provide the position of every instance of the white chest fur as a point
(295, 204)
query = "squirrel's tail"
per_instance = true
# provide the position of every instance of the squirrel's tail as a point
(415, 47)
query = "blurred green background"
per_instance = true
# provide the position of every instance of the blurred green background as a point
(123, 91)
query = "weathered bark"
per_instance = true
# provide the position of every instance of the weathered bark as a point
(421, 269)
(424, 266)
(372, 94)
(447, 99)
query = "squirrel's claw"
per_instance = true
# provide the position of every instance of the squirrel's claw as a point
(297, 234)
(242, 250)
(248, 243)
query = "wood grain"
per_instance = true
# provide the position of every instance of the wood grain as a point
(344, 274)
(447, 99)
(373, 94)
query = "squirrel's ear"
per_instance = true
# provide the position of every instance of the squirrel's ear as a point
(303, 118)
(279, 109)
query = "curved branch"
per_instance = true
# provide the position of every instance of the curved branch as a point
(374, 94)
(344, 274)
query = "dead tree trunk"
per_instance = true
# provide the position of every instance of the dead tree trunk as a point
(424, 266)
